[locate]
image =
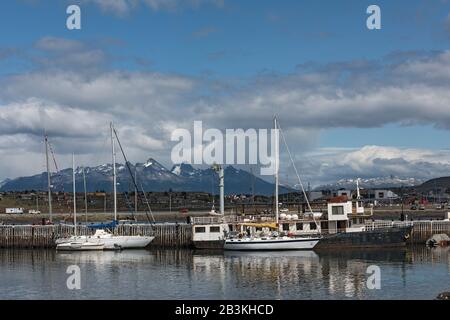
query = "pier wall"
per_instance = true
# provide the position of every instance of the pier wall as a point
(423, 230)
(27, 236)
(166, 235)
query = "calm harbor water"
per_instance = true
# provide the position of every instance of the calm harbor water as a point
(413, 273)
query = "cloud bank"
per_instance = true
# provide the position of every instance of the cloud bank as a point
(72, 92)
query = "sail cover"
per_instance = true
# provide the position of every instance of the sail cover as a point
(110, 225)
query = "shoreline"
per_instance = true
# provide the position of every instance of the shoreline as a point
(166, 216)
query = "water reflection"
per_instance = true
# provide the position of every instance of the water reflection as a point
(412, 273)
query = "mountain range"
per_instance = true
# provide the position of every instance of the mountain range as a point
(373, 183)
(151, 176)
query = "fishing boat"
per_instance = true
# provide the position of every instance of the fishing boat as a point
(77, 243)
(344, 224)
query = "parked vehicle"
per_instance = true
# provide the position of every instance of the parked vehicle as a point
(14, 210)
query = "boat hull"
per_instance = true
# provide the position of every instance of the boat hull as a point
(127, 242)
(383, 238)
(271, 244)
(80, 246)
(115, 243)
(213, 244)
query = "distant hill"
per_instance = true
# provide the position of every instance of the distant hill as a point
(152, 175)
(433, 184)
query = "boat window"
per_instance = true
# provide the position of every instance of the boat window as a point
(299, 226)
(214, 229)
(200, 229)
(337, 210)
(285, 226)
(312, 226)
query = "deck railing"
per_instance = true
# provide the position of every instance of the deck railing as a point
(375, 225)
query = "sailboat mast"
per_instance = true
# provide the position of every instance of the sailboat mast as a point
(114, 172)
(85, 197)
(49, 186)
(135, 191)
(276, 169)
(222, 190)
(74, 195)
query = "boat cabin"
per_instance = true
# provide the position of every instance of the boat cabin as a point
(342, 215)
(209, 232)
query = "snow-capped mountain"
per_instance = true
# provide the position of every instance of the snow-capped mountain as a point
(151, 176)
(373, 183)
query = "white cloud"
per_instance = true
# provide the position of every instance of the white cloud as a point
(124, 7)
(75, 106)
(329, 165)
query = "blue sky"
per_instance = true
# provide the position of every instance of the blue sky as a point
(222, 53)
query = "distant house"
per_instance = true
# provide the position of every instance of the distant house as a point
(342, 192)
(382, 195)
(314, 195)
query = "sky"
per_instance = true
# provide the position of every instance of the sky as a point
(352, 102)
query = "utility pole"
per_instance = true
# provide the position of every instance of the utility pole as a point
(220, 171)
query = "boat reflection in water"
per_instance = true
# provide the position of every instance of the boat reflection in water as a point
(294, 274)
(410, 273)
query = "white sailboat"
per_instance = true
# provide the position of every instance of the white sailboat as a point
(274, 242)
(77, 243)
(115, 241)
(109, 240)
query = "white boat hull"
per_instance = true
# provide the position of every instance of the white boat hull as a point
(80, 246)
(127, 242)
(113, 242)
(256, 244)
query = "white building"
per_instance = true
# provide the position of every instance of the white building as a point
(340, 193)
(382, 195)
